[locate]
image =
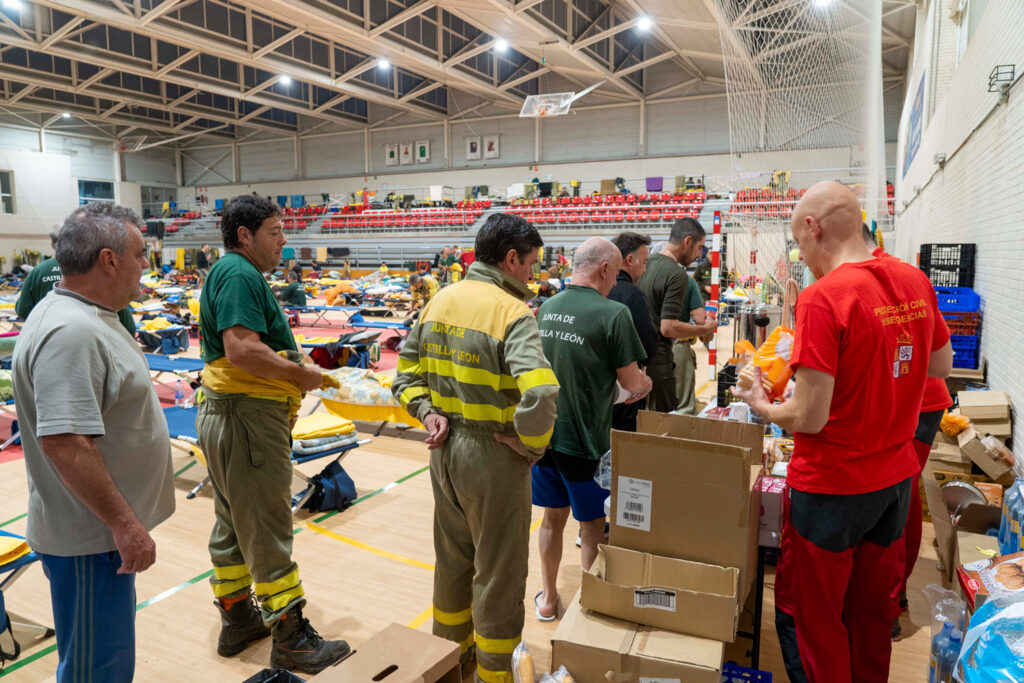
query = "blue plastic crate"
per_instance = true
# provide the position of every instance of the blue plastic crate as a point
(965, 351)
(958, 299)
(734, 673)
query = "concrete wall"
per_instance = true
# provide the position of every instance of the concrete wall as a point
(976, 196)
(44, 193)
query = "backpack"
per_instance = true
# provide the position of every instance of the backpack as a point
(334, 490)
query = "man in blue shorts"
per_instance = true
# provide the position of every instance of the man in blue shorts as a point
(590, 342)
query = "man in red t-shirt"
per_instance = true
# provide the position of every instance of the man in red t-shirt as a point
(868, 334)
(934, 403)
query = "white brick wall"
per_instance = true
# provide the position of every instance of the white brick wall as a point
(978, 196)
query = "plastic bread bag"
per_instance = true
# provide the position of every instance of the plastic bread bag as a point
(993, 648)
(603, 476)
(773, 359)
(522, 665)
(997, 451)
(560, 676)
(946, 606)
(952, 425)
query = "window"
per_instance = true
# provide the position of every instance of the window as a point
(6, 192)
(95, 190)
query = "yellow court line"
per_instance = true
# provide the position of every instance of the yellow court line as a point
(427, 613)
(703, 387)
(369, 548)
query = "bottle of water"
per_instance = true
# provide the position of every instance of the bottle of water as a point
(940, 644)
(950, 657)
(179, 394)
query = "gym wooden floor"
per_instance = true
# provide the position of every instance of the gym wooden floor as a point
(362, 569)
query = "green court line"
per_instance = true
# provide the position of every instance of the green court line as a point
(14, 519)
(185, 468)
(171, 591)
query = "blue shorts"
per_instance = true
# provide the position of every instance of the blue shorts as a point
(552, 489)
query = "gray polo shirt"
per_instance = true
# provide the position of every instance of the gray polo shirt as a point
(77, 371)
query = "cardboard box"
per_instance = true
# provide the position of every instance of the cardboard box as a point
(983, 579)
(398, 655)
(725, 432)
(684, 499)
(973, 519)
(773, 499)
(677, 595)
(595, 647)
(1001, 429)
(984, 405)
(946, 449)
(993, 493)
(781, 451)
(990, 461)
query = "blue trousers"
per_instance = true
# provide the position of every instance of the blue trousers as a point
(94, 616)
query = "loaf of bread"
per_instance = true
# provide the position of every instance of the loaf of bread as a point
(522, 665)
(745, 379)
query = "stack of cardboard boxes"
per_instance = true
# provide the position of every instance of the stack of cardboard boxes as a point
(664, 596)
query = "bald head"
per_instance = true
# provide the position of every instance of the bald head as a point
(834, 207)
(596, 265)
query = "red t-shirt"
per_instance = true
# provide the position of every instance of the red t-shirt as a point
(936, 394)
(872, 326)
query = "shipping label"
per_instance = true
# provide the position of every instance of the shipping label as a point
(658, 598)
(644, 679)
(633, 510)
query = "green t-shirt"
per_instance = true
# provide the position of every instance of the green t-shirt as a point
(294, 294)
(665, 286)
(235, 293)
(586, 338)
(41, 280)
(693, 299)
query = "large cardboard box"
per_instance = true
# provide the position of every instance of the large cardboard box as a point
(984, 405)
(946, 450)
(1002, 575)
(990, 461)
(685, 499)
(398, 655)
(726, 432)
(596, 649)
(1001, 429)
(677, 595)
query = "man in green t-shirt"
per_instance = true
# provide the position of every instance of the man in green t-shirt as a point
(292, 294)
(592, 344)
(665, 285)
(683, 355)
(252, 378)
(41, 280)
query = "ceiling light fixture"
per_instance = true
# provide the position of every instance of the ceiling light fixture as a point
(12, 4)
(644, 24)
(383, 64)
(285, 80)
(501, 45)
(66, 115)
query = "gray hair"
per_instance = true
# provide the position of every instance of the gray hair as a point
(89, 230)
(54, 235)
(593, 252)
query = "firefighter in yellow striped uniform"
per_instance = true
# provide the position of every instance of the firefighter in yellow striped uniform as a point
(473, 371)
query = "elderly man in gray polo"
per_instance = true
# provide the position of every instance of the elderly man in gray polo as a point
(96, 446)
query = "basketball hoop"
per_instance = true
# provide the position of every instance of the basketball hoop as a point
(551, 104)
(130, 143)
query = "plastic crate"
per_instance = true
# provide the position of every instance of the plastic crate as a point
(726, 381)
(957, 299)
(968, 324)
(949, 265)
(965, 351)
(734, 673)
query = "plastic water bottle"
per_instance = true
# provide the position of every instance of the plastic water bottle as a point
(940, 644)
(179, 394)
(950, 656)
(1005, 522)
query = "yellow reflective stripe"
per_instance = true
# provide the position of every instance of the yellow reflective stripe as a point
(536, 378)
(289, 580)
(481, 412)
(467, 375)
(453, 618)
(222, 589)
(411, 393)
(466, 644)
(498, 646)
(408, 366)
(231, 572)
(541, 441)
(281, 600)
(488, 676)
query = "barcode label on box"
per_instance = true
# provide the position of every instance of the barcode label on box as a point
(633, 510)
(658, 598)
(659, 680)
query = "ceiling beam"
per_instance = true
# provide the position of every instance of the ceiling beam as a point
(651, 61)
(367, 64)
(60, 33)
(174, 64)
(333, 102)
(274, 44)
(468, 53)
(92, 80)
(260, 87)
(116, 108)
(604, 35)
(162, 9)
(27, 90)
(513, 82)
(405, 15)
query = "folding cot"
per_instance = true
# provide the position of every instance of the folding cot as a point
(181, 423)
(11, 570)
(322, 311)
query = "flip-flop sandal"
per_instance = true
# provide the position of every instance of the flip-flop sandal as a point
(541, 617)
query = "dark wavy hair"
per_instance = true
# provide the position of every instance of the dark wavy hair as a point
(247, 210)
(503, 231)
(628, 242)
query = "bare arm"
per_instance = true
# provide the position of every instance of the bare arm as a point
(633, 379)
(80, 466)
(244, 350)
(940, 363)
(677, 329)
(807, 412)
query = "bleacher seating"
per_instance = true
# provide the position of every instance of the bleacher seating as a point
(766, 203)
(610, 209)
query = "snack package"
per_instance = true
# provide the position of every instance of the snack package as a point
(993, 648)
(952, 425)
(522, 665)
(773, 358)
(560, 676)
(997, 451)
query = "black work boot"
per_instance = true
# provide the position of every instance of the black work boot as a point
(240, 625)
(298, 647)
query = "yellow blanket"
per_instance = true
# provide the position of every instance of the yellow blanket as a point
(319, 425)
(12, 548)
